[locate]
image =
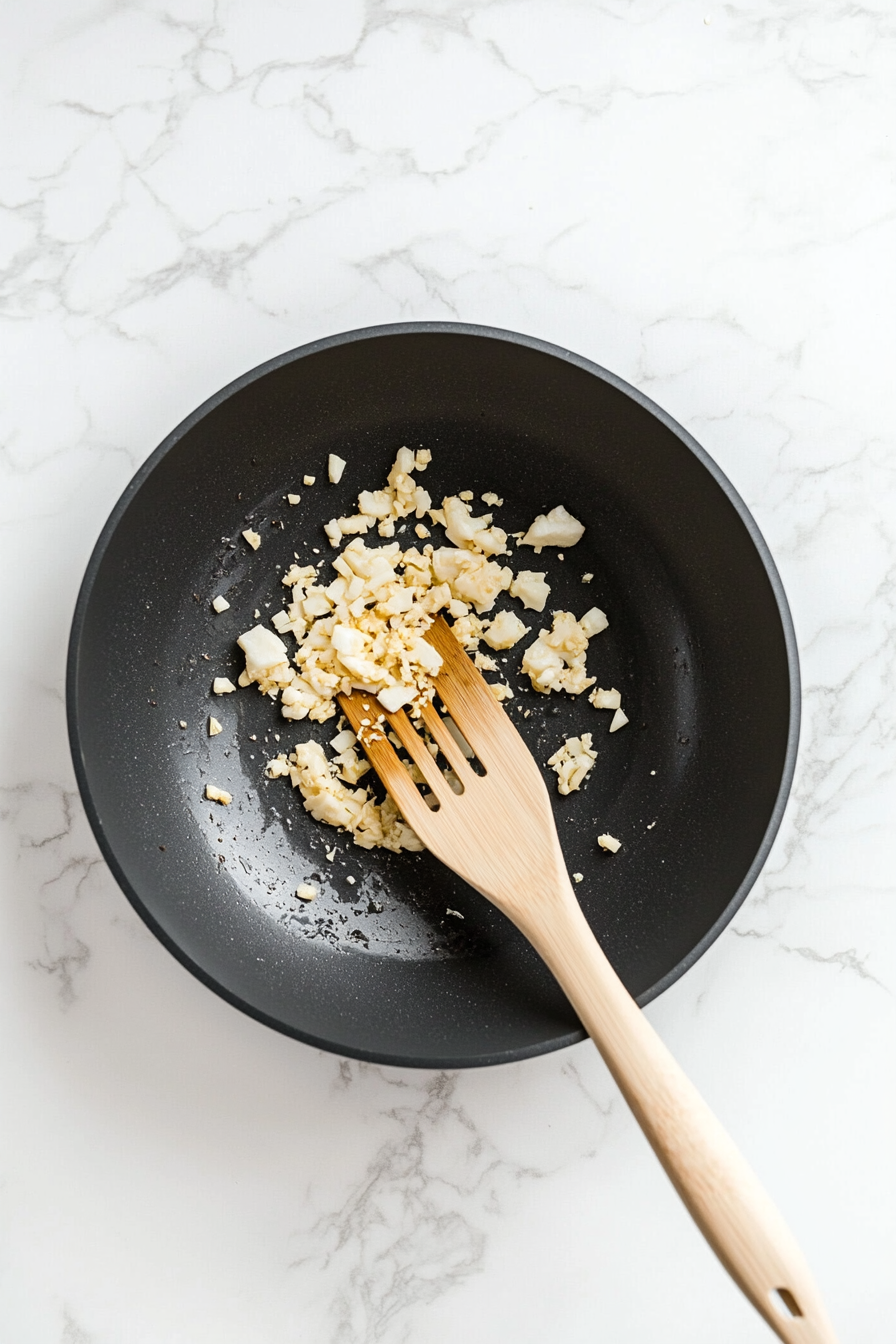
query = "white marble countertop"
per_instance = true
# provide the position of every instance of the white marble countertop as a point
(698, 197)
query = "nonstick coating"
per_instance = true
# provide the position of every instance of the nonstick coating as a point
(700, 644)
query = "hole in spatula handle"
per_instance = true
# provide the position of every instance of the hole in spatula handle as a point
(785, 1302)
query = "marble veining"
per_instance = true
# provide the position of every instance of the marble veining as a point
(699, 197)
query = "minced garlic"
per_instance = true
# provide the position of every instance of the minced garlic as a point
(215, 795)
(223, 686)
(252, 538)
(220, 604)
(306, 892)
(572, 762)
(329, 799)
(556, 660)
(609, 842)
(214, 727)
(365, 630)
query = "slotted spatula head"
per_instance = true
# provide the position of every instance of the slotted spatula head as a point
(499, 833)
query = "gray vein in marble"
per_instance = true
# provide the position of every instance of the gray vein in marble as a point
(43, 819)
(848, 960)
(72, 1332)
(415, 1225)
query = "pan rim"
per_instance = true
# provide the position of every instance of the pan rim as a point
(371, 333)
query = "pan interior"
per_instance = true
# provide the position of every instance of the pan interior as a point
(697, 645)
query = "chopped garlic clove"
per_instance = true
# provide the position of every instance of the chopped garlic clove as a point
(531, 589)
(593, 622)
(609, 842)
(306, 892)
(214, 727)
(557, 528)
(505, 630)
(308, 480)
(221, 604)
(601, 699)
(342, 741)
(572, 763)
(335, 468)
(393, 698)
(578, 877)
(264, 650)
(294, 499)
(252, 538)
(215, 795)
(619, 720)
(223, 686)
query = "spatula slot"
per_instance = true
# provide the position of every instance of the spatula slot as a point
(472, 760)
(435, 767)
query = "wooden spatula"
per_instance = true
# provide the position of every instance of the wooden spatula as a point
(499, 835)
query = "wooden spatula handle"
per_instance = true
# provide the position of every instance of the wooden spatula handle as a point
(723, 1195)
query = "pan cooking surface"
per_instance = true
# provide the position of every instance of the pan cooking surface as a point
(408, 965)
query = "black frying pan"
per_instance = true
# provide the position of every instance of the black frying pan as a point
(700, 644)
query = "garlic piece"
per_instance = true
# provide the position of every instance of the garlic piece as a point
(468, 532)
(505, 630)
(342, 741)
(266, 654)
(484, 662)
(223, 686)
(609, 842)
(557, 528)
(531, 589)
(605, 699)
(335, 468)
(220, 604)
(214, 727)
(572, 762)
(215, 795)
(329, 800)
(556, 660)
(252, 538)
(593, 622)
(306, 892)
(619, 720)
